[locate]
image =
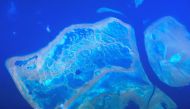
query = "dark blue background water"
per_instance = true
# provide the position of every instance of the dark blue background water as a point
(23, 30)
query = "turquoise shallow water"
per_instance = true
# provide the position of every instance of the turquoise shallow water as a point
(29, 26)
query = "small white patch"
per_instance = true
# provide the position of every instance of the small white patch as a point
(48, 29)
(106, 10)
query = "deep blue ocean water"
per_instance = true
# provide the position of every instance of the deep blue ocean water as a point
(25, 25)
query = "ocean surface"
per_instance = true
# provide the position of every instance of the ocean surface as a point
(29, 25)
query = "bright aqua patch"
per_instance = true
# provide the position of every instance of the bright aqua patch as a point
(175, 58)
(138, 2)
